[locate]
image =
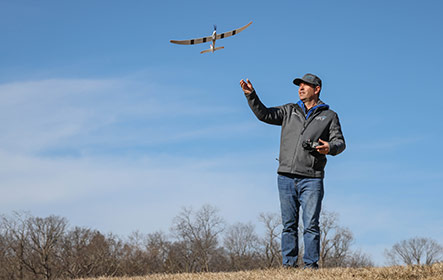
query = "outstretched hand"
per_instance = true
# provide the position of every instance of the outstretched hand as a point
(246, 86)
(323, 148)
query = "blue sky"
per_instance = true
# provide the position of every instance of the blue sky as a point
(106, 123)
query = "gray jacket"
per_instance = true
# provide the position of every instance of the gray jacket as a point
(298, 126)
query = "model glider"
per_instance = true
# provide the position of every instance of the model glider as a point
(214, 37)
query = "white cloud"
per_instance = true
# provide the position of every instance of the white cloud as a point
(74, 113)
(121, 193)
(38, 114)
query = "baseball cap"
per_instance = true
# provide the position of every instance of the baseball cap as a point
(309, 79)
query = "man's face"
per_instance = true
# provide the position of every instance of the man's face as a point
(307, 92)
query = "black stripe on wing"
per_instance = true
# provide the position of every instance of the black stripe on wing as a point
(192, 41)
(233, 32)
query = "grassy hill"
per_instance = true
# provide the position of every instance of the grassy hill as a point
(434, 272)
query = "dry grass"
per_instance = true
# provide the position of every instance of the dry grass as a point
(434, 272)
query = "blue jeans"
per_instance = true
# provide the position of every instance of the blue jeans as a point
(307, 193)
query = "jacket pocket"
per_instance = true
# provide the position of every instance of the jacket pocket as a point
(319, 163)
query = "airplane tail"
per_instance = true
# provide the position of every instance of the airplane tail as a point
(212, 50)
(206, 51)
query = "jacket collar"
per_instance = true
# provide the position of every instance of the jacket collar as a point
(320, 106)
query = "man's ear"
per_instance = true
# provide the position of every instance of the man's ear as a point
(317, 89)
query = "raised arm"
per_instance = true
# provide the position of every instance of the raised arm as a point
(273, 115)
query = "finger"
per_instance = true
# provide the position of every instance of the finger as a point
(322, 148)
(321, 141)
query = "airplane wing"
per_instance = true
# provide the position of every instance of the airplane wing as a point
(209, 38)
(192, 41)
(233, 32)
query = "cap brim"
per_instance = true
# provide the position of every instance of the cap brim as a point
(298, 81)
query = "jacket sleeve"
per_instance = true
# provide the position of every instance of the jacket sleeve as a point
(273, 115)
(336, 140)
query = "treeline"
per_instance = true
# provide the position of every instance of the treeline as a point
(46, 248)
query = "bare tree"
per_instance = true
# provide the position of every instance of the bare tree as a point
(105, 251)
(15, 236)
(242, 243)
(88, 253)
(34, 244)
(179, 258)
(134, 256)
(77, 260)
(328, 223)
(7, 261)
(271, 241)
(340, 248)
(417, 250)
(157, 247)
(199, 233)
(45, 235)
(43, 248)
(359, 259)
(335, 244)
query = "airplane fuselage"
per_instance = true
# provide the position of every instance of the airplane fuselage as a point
(214, 38)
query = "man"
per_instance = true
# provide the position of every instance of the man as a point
(310, 131)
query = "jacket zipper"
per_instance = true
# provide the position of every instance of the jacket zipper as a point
(298, 141)
(305, 125)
